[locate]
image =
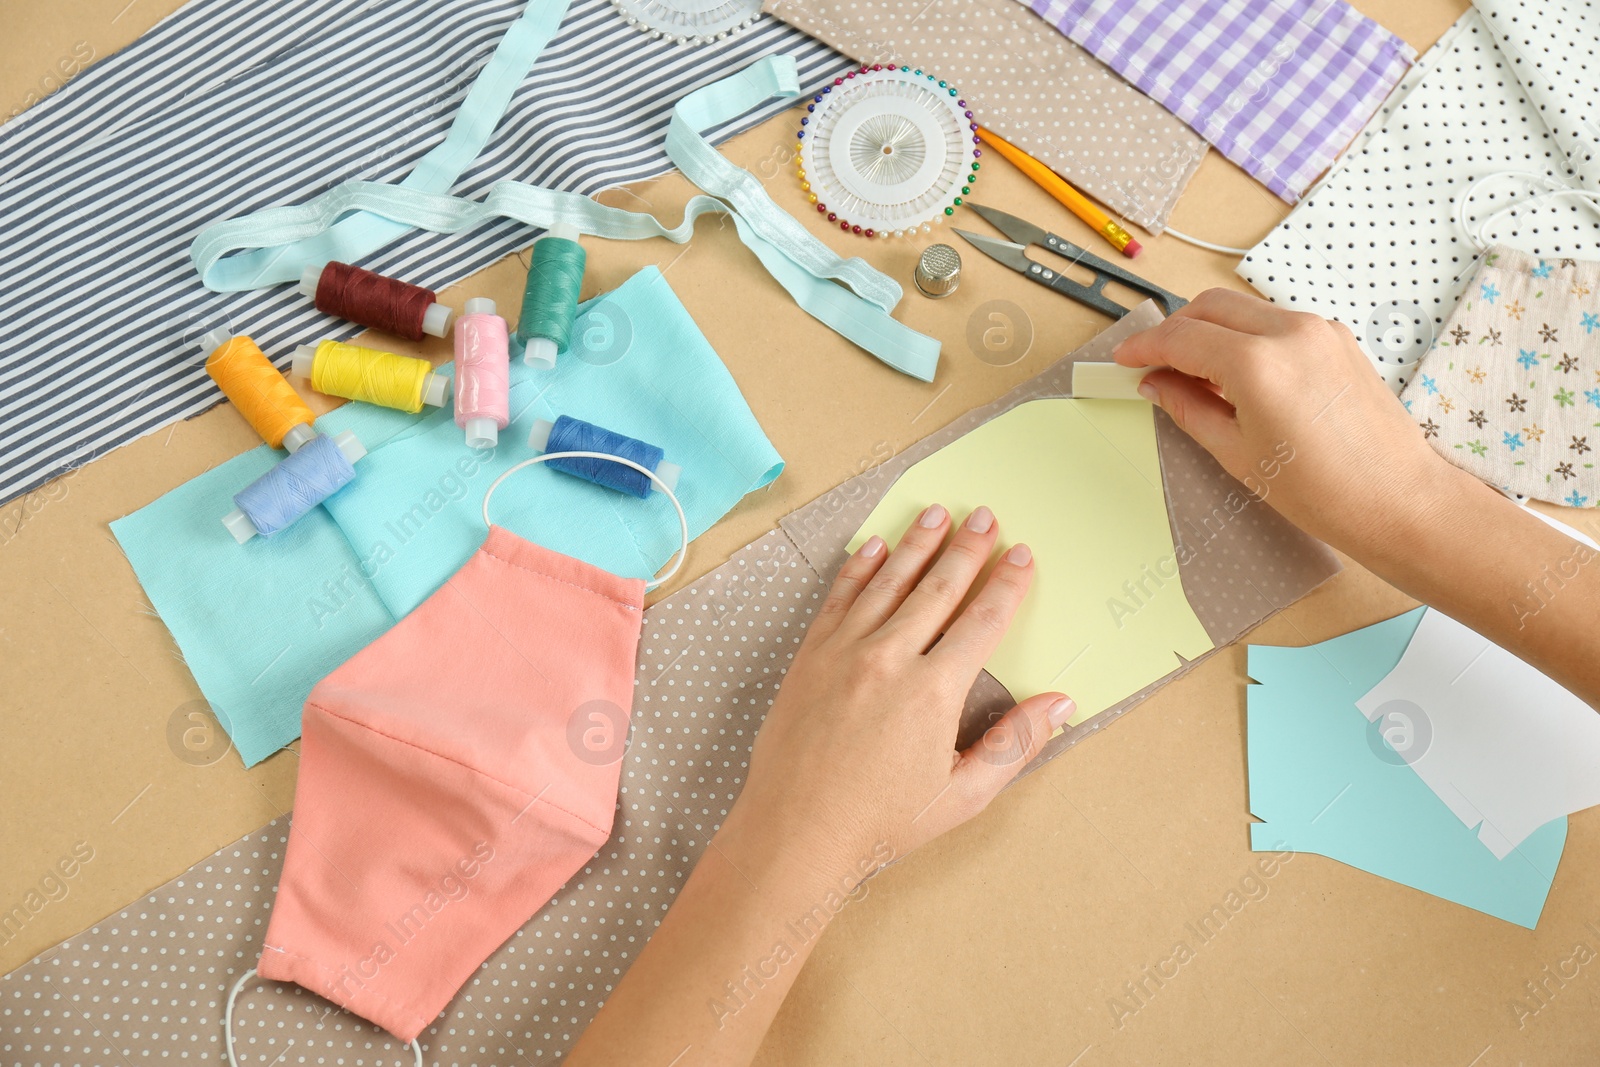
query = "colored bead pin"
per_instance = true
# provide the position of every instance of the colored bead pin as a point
(897, 146)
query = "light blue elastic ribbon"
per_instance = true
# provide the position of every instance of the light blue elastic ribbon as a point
(354, 238)
(848, 295)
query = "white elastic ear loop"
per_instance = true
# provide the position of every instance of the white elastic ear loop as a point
(1227, 250)
(683, 521)
(227, 1020)
(1552, 188)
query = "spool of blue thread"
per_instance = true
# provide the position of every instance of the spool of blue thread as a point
(567, 434)
(283, 495)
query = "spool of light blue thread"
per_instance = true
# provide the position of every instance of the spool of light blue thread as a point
(550, 299)
(283, 495)
(567, 434)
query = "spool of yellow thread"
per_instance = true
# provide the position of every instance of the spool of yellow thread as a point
(371, 375)
(262, 395)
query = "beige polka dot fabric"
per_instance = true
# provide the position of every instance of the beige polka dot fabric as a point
(148, 984)
(1029, 84)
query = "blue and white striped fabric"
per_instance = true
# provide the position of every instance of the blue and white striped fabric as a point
(226, 107)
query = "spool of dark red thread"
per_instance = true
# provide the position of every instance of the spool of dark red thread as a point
(375, 301)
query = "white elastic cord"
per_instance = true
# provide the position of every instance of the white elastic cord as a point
(1207, 245)
(227, 1021)
(1553, 188)
(683, 521)
(1523, 503)
(227, 1014)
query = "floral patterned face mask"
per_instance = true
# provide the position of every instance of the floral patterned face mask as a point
(1510, 390)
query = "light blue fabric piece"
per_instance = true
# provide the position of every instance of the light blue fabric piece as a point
(638, 365)
(259, 624)
(1325, 782)
(251, 620)
(848, 295)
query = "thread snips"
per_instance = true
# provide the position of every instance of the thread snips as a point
(1022, 234)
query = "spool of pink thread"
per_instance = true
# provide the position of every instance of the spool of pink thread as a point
(483, 373)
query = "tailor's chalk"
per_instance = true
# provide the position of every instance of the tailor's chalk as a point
(1106, 381)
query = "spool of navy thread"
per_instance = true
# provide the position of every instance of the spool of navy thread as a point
(300, 481)
(575, 435)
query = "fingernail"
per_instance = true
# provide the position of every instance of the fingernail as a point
(1118, 346)
(1020, 555)
(873, 546)
(1061, 711)
(980, 521)
(1148, 391)
(932, 517)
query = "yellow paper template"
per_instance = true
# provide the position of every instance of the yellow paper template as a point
(1080, 482)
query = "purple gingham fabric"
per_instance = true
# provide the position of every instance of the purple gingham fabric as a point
(1278, 86)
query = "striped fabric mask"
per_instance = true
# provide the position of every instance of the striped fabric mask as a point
(224, 107)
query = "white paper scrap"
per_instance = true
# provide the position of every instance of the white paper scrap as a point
(1505, 747)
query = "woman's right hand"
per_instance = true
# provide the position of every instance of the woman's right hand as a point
(1289, 404)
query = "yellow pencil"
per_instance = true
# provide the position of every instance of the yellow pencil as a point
(1075, 202)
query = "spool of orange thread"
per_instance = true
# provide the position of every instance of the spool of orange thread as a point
(263, 396)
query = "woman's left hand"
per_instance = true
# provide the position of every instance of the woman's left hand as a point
(855, 766)
(858, 754)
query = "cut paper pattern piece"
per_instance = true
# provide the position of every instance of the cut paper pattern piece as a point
(1240, 562)
(1468, 108)
(1080, 482)
(1511, 389)
(152, 111)
(1506, 749)
(1278, 86)
(1327, 782)
(259, 625)
(1029, 84)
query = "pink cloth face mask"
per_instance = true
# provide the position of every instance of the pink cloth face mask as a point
(454, 774)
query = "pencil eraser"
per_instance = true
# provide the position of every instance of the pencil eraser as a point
(1133, 249)
(1106, 381)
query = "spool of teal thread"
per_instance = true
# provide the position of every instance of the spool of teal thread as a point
(550, 300)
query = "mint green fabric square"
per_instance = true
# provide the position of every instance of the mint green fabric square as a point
(260, 624)
(1325, 782)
